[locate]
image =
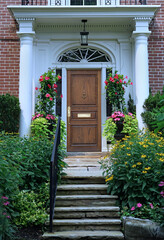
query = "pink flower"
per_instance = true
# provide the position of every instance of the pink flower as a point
(36, 88)
(117, 82)
(55, 90)
(8, 216)
(61, 95)
(151, 205)
(120, 80)
(125, 82)
(4, 197)
(126, 77)
(117, 119)
(51, 98)
(55, 85)
(47, 78)
(162, 194)
(6, 203)
(116, 76)
(139, 205)
(49, 85)
(161, 184)
(106, 82)
(59, 77)
(132, 209)
(130, 114)
(41, 80)
(131, 83)
(115, 93)
(47, 95)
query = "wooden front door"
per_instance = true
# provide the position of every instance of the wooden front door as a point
(84, 111)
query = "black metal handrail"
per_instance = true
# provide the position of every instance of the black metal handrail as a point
(54, 173)
(45, 2)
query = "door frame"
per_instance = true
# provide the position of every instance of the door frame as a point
(80, 66)
(98, 73)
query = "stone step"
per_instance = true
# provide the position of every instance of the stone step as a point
(86, 200)
(84, 235)
(82, 189)
(86, 224)
(89, 178)
(86, 212)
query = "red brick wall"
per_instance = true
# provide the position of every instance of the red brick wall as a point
(156, 48)
(9, 51)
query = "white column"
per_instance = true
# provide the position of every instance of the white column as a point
(103, 109)
(25, 83)
(141, 66)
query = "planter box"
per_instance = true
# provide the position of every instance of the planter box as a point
(142, 229)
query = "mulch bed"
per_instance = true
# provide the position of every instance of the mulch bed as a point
(29, 233)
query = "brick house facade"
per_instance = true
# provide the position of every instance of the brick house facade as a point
(129, 27)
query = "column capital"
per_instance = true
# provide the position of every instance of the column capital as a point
(26, 26)
(141, 26)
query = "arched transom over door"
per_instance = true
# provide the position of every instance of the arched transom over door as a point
(84, 100)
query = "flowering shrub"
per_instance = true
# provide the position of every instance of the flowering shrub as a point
(150, 211)
(115, 88)
(6, 229)
(128, 121)
(47, 92)
(136, 170)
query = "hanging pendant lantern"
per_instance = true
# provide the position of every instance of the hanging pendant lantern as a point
(84, 35)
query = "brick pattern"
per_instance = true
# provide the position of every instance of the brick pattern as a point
(156, 48)
(9, 49)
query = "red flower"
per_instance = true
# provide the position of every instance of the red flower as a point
(131, 83)
(59, 77)
(51, 98)
(55, 90)
(120, 80)
(61, 95)
(115, 93)
(36, 88)
(106, 82)
(47, 95)
(117, 82)
(49, 85)
(125, 82)
(116, 76)
(41, 80)
(47, 78)
(55, 85)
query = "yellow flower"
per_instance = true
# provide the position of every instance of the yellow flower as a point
(141, 143)
(161, 159)
(126, 163)
(109, 179)
(144, 171)
(134, 166)
(150, 143)
(139, 163)
(145, 146)
(148, 168)
(158, 141)
(130, 143)
(160, 145)
(128, 154)
(143, 156)
(128, 148)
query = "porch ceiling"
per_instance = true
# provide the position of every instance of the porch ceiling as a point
(73, 15)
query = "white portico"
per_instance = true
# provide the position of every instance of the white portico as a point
(117, 31)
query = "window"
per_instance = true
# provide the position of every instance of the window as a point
(83, 2)
(84, 55)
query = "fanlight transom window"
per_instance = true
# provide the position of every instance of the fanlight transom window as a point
(84, 55)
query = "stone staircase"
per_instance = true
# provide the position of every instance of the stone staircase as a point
(83, 209)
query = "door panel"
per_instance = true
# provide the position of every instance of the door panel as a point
(84, 112)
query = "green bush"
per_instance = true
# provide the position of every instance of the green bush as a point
(39, 128)
(31, 161)
(9, 113)
(154, 109)
(31, 209)
(135, 168)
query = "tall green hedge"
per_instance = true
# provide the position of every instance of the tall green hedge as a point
(9, 113)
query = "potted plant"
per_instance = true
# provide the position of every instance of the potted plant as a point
(118, 125)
